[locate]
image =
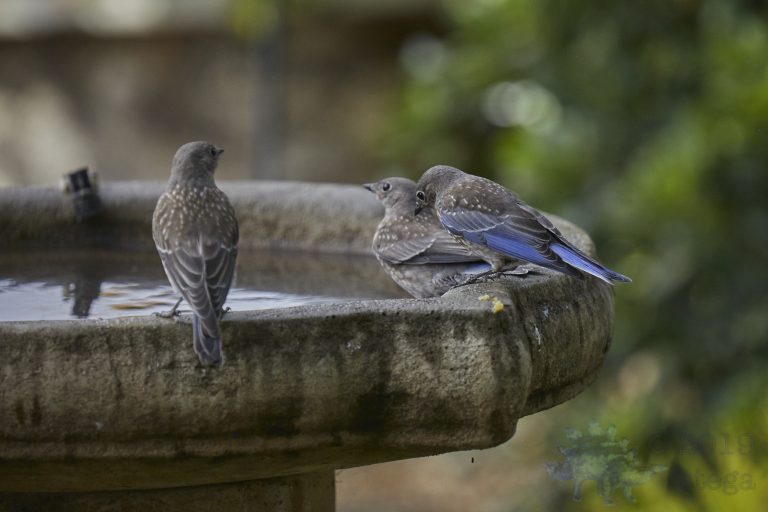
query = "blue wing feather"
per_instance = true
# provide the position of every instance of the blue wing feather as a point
(515, 247)
(523, 235)
(579, 260)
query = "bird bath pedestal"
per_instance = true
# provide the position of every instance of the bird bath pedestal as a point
(118, 415)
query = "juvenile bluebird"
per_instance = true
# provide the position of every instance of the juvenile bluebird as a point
(196, 233)
(415, 250)
(496, 225)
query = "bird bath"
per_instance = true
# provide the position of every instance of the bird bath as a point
(117, 413)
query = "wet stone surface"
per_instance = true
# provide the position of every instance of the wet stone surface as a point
(108, 284)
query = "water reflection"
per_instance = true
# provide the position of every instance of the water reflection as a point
(35, 286)
(82, 292)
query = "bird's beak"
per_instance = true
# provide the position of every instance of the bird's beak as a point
(219, 151)
(369, 187)
(419, 207)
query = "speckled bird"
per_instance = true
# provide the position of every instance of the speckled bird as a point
(415, 250)
(496, 225)
(196, 233)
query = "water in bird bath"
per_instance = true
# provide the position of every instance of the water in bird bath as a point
(57, 285)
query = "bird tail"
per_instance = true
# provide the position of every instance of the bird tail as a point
(207, 347)
(586, 264)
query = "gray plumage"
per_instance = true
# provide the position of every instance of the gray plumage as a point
(496, 225)
(415, 250)
(196, 233)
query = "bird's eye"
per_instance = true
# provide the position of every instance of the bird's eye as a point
(386, 186)
(213, 151)
(420, 196)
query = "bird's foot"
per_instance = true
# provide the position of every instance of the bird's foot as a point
(172, 313)
(167, 314)
(480, 278)
(223, 312)
(491, 275)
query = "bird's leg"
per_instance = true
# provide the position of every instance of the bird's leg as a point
(479, 277)
(173, 311)
(482, 277)
(493, 273)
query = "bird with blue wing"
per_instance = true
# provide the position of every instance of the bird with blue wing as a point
(497, 226)
(417, 253)
(196, 234)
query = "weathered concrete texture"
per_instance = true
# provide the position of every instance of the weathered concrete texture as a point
(313, 492)
(567, 327)
(122, 404)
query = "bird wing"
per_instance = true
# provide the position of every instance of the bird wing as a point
(185, 267)
(571, 254)
(444, 249)
(494, 217)
(419, 246)
(202, 274)
(220, 263)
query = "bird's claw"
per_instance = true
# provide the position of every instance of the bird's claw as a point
(172, 313)
(492, 275)
(488, 277)
(167, 314)
(479, 278)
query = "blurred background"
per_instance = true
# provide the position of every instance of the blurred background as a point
(644, 122)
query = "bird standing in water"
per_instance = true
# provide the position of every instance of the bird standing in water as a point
(196, 233)
(496, 225)
(415, 250)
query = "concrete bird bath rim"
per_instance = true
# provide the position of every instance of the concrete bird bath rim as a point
(122, 406)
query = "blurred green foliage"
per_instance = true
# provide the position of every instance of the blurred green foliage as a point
(253, 19)
(646, 123)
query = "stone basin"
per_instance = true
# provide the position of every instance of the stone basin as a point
(117, 414)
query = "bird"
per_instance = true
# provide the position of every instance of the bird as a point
(417, 253)
(196, 234)
(496, 225)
